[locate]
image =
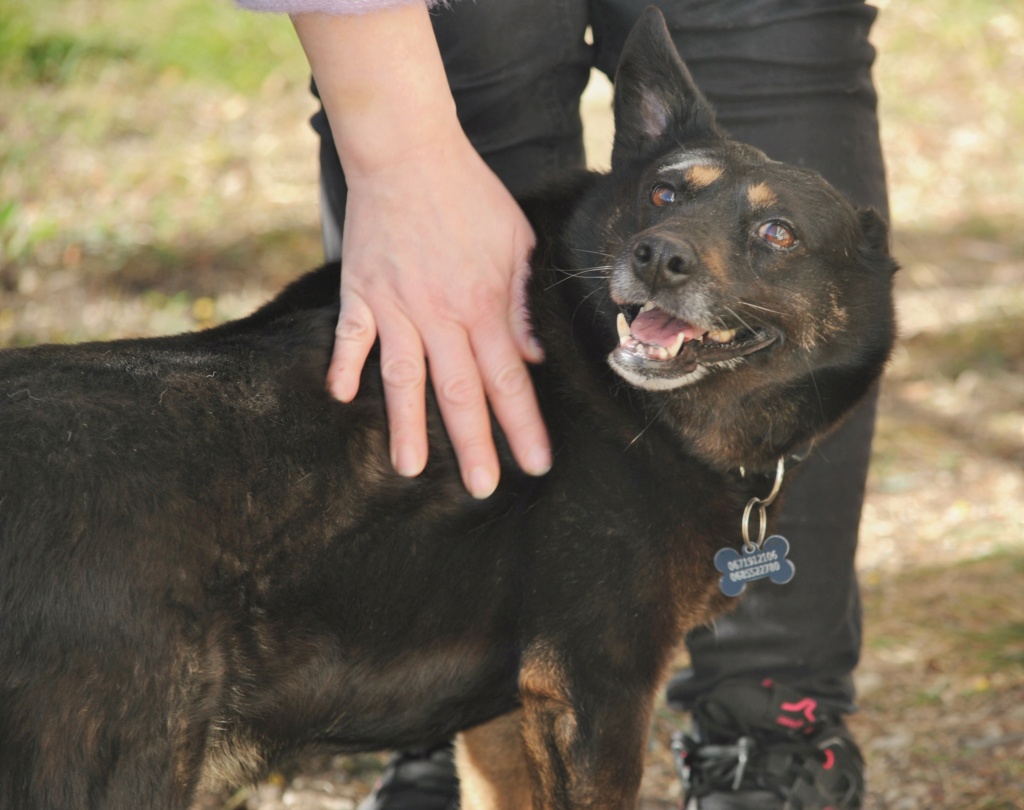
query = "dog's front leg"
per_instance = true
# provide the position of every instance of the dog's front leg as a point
(584, 737)
(493, 773)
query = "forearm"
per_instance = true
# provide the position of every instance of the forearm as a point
(423, 209)
(382, 83)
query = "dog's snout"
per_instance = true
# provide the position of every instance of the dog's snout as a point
(664, 259)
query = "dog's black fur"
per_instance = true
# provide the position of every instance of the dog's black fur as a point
(207, 564)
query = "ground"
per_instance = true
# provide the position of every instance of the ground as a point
(158, 174)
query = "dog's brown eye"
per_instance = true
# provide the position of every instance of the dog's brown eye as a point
(777, 235)
(663, 194)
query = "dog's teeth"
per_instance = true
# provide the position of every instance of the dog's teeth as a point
(673, 350)
(623, 327)
(723, 335)
(648, 306)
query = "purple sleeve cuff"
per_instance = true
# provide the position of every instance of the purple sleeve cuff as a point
(330, 6)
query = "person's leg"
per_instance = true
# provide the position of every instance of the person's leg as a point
(792, 77)
(516, 71)
(797, 84)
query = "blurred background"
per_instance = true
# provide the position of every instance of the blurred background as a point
(157, 174)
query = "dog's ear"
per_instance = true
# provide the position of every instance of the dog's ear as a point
(875, 239)
(656, 100)
(876, 232)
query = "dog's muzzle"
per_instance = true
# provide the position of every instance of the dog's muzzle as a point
(659, 351)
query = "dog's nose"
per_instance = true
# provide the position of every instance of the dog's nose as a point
(664, 259)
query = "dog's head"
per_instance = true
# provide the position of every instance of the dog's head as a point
(747, 291)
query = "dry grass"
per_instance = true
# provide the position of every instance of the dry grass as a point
(145, 190)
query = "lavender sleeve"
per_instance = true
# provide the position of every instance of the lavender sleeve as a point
(330, 6)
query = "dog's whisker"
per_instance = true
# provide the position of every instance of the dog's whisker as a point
(596, 273)
(814, 382)
(592, 252)
(582, 301)
(757, 306)
(650, 422)
(581, 270)
(738, 317)
(606, 229)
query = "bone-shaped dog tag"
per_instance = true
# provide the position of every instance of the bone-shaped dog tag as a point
(767, 561)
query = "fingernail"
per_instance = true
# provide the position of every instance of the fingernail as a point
(339, 390)
(538, 460)
(482, 482)
(406, 461)
(537, 351)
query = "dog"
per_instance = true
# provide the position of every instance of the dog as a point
(207, 564)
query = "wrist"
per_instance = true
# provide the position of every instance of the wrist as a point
(382, 83)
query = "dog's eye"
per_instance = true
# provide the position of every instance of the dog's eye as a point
(663, 194)
(777, 234)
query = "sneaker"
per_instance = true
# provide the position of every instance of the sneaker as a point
(423, 779)
(767, 747)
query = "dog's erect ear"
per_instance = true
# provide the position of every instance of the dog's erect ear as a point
(876, 232)
(875, 237)
(655, 97)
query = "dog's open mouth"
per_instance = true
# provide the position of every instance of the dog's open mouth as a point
(658, 350)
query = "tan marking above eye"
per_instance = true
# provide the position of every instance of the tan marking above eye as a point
(761, 196)
(701, 176)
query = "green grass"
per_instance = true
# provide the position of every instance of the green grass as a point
(131, 130)
(56, 42)
(115, 123)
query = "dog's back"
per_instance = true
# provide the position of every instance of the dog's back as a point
(208, 562)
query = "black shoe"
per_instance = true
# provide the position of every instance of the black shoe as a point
(417, 780)
(767, 747)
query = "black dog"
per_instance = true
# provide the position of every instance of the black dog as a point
(207, 564)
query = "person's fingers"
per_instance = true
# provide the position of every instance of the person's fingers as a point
(404, 374)
(353, 339)
(509, 389)
(460, 397)
(432, 271)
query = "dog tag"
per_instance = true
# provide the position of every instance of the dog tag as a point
(767, 561)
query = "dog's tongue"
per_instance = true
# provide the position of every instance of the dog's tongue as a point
(656, 327)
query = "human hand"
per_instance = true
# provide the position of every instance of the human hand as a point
(434, 249)
(435, 257)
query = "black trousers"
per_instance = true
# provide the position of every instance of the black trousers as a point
(792, 77)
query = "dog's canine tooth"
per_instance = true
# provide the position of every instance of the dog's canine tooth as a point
(648, 306)
(623, 327)
(673, 350)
